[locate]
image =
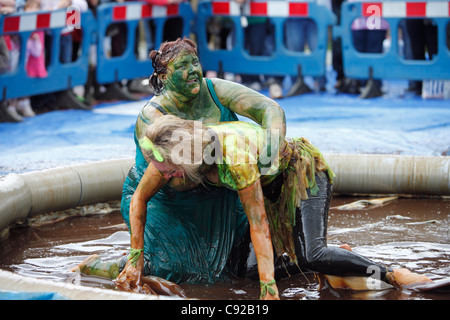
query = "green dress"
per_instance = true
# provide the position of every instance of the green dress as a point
(188, 235)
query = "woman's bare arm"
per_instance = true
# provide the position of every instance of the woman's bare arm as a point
(251, 104)
(256, 106)
(253, 201)
(152, 180)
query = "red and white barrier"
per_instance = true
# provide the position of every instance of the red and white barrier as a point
(387, 9)
(36, 21)
(402, 9)
(60, 18)
(268, 8)
(138, 11)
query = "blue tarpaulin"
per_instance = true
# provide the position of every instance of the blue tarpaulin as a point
(335, 123)
(13, 295)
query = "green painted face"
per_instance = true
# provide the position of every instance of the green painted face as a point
(184, 75)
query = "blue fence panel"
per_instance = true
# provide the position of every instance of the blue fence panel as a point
(282, 61)
(391, 64)
(127, 65)
(17, 83)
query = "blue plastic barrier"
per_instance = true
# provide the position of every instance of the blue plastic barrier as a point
(17, 83)
(391, 64)
(282, 61)
(127, 65)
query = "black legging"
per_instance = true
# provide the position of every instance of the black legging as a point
(311, 247)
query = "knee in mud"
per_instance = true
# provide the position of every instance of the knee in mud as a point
(315, 256)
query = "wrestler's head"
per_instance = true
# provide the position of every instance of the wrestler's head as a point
(175, 146)
(176, 68)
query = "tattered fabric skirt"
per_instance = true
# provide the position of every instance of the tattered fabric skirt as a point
(306, 161)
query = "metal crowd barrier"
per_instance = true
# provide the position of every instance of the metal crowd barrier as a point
(282, 61)
(17, 83)
(391, 64)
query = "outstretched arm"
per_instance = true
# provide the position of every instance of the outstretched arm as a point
(251, 104)
(253, 201)
(130, 279)
(151, 182)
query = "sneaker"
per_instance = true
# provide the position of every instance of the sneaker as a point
(8, 113)
(275, 91)
(24, 108)
(415, 87)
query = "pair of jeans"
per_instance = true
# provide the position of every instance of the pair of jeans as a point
(369, 41)
(258, 42)
(299, 32)
(65, 55)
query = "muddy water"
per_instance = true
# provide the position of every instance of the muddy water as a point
(407, 232)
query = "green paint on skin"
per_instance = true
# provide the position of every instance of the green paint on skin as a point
(191, 100)
(266, 287)
(148, 145)
(186, 95)
(255, 106)
(185, 92)
(107, 269)
(184, 77)
(134, 255)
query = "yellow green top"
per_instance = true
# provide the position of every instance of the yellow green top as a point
(241, 164)
(242, 156)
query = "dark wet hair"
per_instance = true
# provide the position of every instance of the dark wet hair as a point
(161, 58)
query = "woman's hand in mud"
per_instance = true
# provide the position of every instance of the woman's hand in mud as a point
(130, 279)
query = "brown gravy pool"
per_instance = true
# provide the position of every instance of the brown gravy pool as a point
(408, 232)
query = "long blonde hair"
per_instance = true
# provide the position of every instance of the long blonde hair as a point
(170, 134)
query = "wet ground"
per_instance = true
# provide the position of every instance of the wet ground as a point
(407, 232)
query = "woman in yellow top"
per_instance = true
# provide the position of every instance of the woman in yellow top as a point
(285, 198)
